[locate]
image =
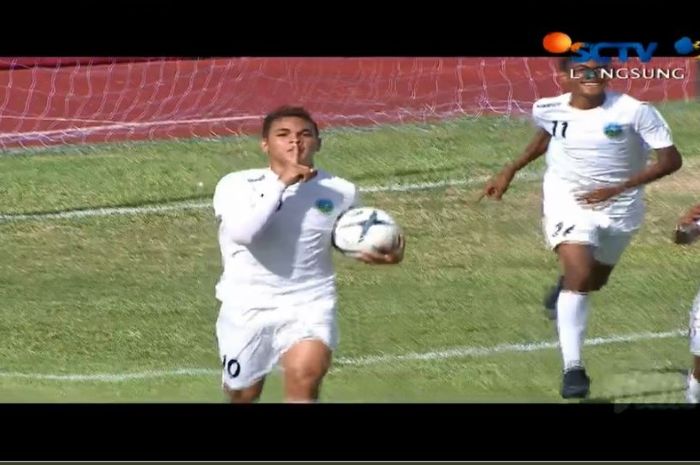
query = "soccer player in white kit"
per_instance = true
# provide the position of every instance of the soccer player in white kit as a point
(277, 290)
(688, 231)
(597, 143)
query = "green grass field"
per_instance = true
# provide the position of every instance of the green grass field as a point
(129, 294)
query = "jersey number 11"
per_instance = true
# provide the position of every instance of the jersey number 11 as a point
(564, 125)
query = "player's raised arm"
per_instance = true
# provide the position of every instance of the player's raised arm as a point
(498, 185)
(246, 205)
(244, 210)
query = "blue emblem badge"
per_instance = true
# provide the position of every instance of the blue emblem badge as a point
(612, 130)
(324, 205)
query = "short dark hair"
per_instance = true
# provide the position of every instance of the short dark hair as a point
(285, 112)
(565, 63)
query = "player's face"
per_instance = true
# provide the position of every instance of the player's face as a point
(587, 79)
(291, 140)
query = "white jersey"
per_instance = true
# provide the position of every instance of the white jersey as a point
(600, 147)
(276, 241)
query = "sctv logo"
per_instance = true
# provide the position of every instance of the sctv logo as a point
(558, 42)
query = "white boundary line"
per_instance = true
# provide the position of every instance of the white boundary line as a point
(340, 363)
(460, 352)
(190, 205)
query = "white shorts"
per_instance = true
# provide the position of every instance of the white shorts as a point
(608, 237)
(251, 342)
(694, 326)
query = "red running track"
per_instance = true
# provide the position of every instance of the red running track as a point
(85, 100)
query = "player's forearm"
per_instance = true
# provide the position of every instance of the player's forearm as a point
(247, 221)
(651, 174)
(668, 163)
(534, 150)
(525, 159)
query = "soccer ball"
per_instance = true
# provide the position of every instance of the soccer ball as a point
(365, 229)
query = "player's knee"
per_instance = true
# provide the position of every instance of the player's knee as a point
(304, 378)
(598, 282)
(579, 282)
(243, 396)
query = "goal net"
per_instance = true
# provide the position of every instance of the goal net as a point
(45, 102)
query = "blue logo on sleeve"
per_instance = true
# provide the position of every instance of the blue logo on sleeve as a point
(324, 205)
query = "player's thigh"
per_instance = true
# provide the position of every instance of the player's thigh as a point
(305, 363)
(570, 227)
(246, 395)
(601, 275)
(246, 353)
(611, 248)
(306, 347)
(608, 253)
(573, 237)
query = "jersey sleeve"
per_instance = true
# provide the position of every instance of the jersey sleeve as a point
(242, 210)
(351, 199)
(356, 199)
(538, 117)
(652, 127)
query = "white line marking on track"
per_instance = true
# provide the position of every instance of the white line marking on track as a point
(340, 363)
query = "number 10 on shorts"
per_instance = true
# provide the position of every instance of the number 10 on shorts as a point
(231, 367)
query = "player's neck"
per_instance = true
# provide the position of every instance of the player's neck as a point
(582, 102)
(275, 168)
(278, 169)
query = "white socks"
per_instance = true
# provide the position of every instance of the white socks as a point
(572, 313)
(693, 392)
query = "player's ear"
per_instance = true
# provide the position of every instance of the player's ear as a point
(264, 146)
(564, 80)
(318, 143)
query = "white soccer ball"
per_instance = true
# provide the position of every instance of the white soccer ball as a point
(365, 229)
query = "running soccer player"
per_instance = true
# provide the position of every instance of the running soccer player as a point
(597, 143)
(688, 231)
(278, 291)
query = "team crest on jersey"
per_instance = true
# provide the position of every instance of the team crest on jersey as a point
(613, 130)
(324, 205)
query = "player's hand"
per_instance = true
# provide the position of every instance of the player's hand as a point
(598, 196)
(691, 216)
(686, 230)
(497, 186)
(295, 172)
(389, 257)
(685, 234)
